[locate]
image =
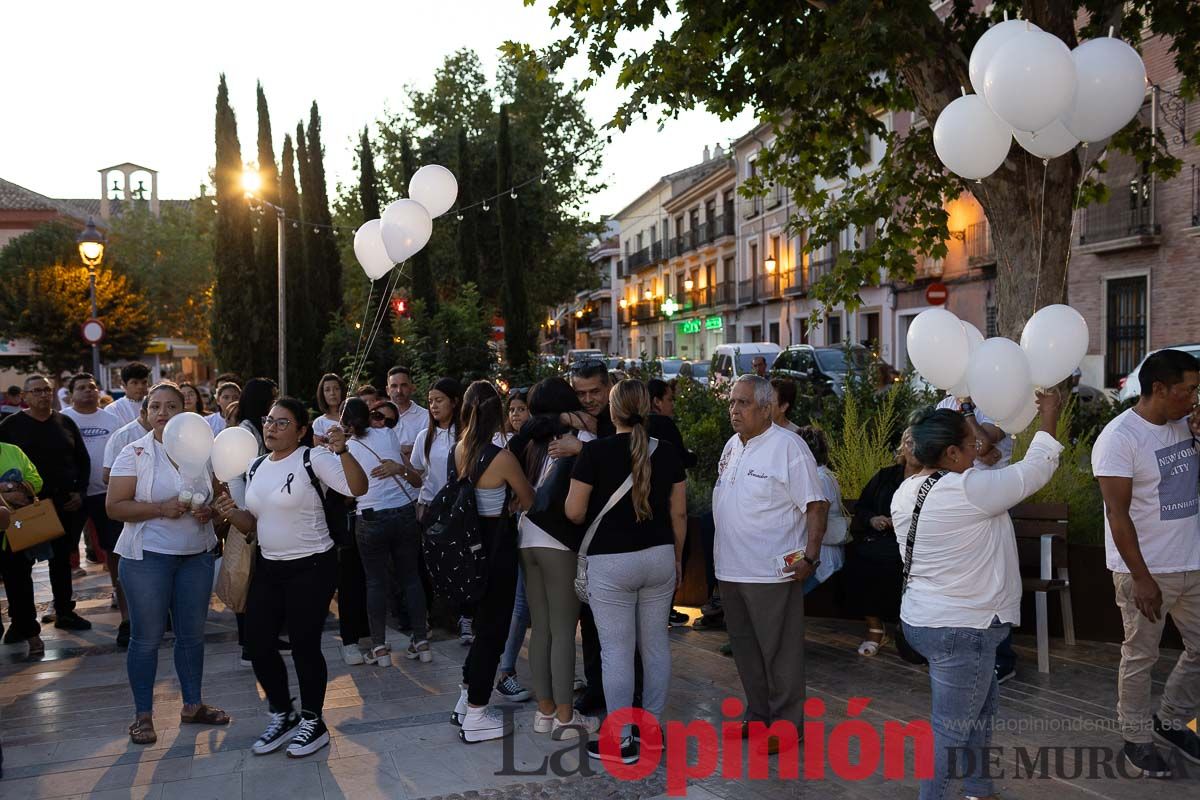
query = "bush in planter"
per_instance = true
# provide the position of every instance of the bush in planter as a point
(865, 445)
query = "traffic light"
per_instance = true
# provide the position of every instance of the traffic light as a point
(400, 306)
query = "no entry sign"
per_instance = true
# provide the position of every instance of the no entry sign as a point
(936, 293)
(92, 331)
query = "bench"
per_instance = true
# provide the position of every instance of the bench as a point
(1041, 530)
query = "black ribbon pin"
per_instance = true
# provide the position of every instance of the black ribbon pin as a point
(288, 486)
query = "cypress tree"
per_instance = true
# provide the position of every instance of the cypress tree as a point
(266, 283)
(514, 301)
(300, 313)
(422, 279)
(368, 181)
(330, 258)
(468, 256)
(382, 354)
(315, 285)
(234, 318)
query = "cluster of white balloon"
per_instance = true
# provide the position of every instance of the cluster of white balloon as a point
(998, 375)
(406, 224)
(1029, 85)
(190, 444)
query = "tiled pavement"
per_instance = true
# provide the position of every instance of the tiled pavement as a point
(63, 721)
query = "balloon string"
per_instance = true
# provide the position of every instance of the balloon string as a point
(1075, 214)
(362, 328)
(1037, 282)
(1002, 248)
(380, 315)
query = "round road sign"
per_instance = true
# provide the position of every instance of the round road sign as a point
(93, 331)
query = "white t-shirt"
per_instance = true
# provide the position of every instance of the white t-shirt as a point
(1005, 445)
(433, 470)
(381, 492)
(964, 567)
(216, 422)
(126, 434)
(125, 410)
(96, 429)
(322, 424)
(763, 489)
(411, 423)
(177, 537)
(1165, 507)
(291, 519)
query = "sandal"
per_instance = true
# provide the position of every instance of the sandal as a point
(870, 647)
(205, 715)
(142, 731)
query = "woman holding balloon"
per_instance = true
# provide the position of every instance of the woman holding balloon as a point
(167, 555)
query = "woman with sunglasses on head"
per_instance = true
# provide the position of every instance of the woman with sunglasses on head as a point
(167, 559)
(387, 535)
(331, 393)
(497, 475)
(295, 573)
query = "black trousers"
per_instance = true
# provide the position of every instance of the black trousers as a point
(493, 614)
(60, 563)
(17, 571)
(294, 595)
(351, 594)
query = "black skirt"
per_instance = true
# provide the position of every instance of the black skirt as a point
(871, 577)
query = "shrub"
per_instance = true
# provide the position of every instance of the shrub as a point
(702, 415)
(865, 446)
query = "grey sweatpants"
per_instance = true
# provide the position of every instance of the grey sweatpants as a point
(630, 596)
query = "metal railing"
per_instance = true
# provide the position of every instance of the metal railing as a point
(768, 286)
(1128, 212)
(645, 311)
(793, 282)
(978, 241)
(723, 293)
(746, 291)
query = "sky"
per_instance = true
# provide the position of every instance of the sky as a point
(92, 85)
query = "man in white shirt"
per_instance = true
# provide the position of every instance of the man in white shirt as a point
(97, 426)
(1147, 465)
(767, 503)
(136, 379)
(228, 393)
(413, 418)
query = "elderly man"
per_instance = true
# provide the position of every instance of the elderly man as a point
(767, 503)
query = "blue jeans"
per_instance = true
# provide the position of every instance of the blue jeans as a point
(154, 585)
(517, 628)
(962, 674)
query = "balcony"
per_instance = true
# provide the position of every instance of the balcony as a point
(723, 293)
(768, 287)
(793, 282)
(978, 241)
(638, 260)
(646, 311)
(746, 294)
(1127, 221)
(823, 265)
(601, 323)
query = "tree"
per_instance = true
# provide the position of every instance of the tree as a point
(47, 304)
(514, 300)
(49, 243)
(316, 199)
(265, 226)
(236, 324)
(382, 354)
(368, 181)
(418, 266)
(822, 73)
(466, 248)
(301, 333)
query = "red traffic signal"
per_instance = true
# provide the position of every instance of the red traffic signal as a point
(399, 306)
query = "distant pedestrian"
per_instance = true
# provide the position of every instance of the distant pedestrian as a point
(135, 378)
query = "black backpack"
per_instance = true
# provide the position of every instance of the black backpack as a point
(452, 544)
(337, 515)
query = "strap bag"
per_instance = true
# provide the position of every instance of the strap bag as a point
(581, 563)
(906, 650)
(32, 525)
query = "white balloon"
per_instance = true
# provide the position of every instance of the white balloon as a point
(435, 188)
(937, 346)
(406, 227)
(999, 378)
(1030, 81)
(1110, 89)
(188, 440)
(232, 451)
(974, 339)
(1020, 421)
(969, 139)
(991, 41)
(369, 250)
(1055, 340)
(1051, 141)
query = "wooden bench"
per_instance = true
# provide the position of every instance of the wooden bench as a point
(1042, 554)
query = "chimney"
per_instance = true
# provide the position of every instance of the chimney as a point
(718, 151)
(706, 154)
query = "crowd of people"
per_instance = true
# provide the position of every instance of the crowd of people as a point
(579, 488)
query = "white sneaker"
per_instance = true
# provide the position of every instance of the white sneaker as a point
(460, 708)
(352, 655)
(578, 726)
(484, 724)
(543, 723)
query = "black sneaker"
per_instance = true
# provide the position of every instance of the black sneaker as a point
(1005, 675)
(511, 690)
(714, 622)
(70, 621)
(276, 735)
(1146, 759)
(244, 659)
(13, 636)
(1179, 737)
(123, 634)
(678, 618)
(311, 736)
(627, 755)
(590, 703)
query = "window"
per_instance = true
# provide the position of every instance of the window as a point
(753, 259)
(802, 324)
(654, 233)
(756, 333)
(1125, 327)
(710, 209)
(639, 241)
(833, 330)
(694, 218)
(870, 329)
(679, 226)
(773, 334)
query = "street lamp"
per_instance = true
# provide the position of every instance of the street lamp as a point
(770, 265)
(91, 252)
(251, 183)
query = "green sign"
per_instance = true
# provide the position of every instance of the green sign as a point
(713, 323)
(688, 326)
(670, 307)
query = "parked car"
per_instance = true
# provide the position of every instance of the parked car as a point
(584, 354)
(697, 371)
(819, 370)
(670, 367)
(1129, 387)
(730, 361)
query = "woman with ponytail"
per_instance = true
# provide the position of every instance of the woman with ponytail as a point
(635, 487)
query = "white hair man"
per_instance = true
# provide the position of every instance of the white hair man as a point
(767, 503)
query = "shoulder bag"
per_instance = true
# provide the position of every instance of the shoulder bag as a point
(581, 578)
(906, 650)
(32, 525)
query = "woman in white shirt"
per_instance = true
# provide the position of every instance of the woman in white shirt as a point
(331, 393)
(167, 556)
(963, 587)
(295, 573)
(833, 552)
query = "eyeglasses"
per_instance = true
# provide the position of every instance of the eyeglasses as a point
(271, 422)
(516, 391)
(377, 416)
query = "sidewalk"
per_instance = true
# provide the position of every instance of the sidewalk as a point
(64, 722)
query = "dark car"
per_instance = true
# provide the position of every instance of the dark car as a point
(819, 370)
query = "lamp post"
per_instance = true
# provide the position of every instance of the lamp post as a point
(251, 181)
(91, 252)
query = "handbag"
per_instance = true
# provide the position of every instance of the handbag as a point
(902, 646)
(581, 578)
(32, 525)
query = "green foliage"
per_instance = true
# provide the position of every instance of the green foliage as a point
(866, 443)
(702, 415)
(514, 300)
(264, 226)
(48, 243)
(455, 340)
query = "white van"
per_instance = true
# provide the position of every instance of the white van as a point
(729, 361)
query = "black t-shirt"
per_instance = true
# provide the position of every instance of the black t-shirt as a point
(55, 447)
(605, 464)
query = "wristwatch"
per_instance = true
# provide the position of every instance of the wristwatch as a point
(968, 409)
(814, 563)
